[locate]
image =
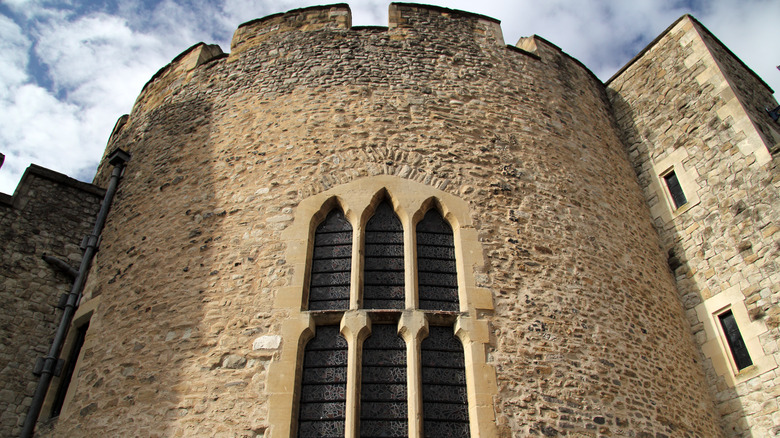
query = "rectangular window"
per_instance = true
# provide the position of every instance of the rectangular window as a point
(675, 190)
(734, 338)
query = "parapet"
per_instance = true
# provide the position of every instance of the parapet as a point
(254, 32)
(417, 16)
(22, 193)
(180, 69)
(405, 20)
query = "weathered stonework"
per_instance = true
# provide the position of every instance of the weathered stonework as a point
(687, 102)
(48, 214)
(570, 316)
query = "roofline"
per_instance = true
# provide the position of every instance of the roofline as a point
(658, 38)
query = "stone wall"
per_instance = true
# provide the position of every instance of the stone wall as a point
(587, 327)
(688, 105)
(753, 94)
(48, 214)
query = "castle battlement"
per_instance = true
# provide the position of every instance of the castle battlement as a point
(279, 35)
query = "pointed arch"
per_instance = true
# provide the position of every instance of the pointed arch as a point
(331, 263)
(437, 276)
(383, 273)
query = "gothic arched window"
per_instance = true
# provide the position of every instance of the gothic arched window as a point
(436, 272)
(383, 284)
(331, 263)
(395, 365)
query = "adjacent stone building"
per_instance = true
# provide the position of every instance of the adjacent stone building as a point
(419, 230)
(48, 215)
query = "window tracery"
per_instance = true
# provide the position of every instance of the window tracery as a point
(411, 261)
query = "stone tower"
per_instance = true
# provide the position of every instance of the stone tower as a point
(411, 230)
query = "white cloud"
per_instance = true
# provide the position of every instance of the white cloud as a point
(36, 127)
(98, 63)
(749, 29)
(14, 46)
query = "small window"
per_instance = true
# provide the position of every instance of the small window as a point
(70, 366)
(445, 402)
(734, 338)
(675, 190)
(383, 406)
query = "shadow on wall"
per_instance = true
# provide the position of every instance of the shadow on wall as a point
(690, 294)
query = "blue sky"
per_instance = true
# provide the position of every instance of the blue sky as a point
(70, 68)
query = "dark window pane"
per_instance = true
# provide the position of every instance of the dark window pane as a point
(734, 338)
(383, 408)
(324, 385)
(331, 263)
(675, 189)
(445, 402)
(383, 274)
(436, 272)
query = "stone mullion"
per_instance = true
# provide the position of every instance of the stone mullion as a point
(413, 328)
(410, 268)
(356, 276)
(480, 377)
(355, 327)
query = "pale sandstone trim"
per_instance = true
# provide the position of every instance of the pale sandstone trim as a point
(687, 176)
(716, 348)
(410, 200)
(741, 122)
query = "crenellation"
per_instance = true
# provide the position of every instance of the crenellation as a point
(252, 33)
(177, 73)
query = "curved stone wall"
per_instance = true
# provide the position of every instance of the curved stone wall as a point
(587, 333)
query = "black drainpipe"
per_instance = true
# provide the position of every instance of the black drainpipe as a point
(117, 159)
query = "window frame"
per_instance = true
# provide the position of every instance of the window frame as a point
(81, 317)
(664, 207)
(410, 201)
(715, 346)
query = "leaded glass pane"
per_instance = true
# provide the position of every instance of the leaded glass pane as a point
(324, 385)
(445, 402)
(331, 263)
(436, 272)
(383, 284)
(383, 409)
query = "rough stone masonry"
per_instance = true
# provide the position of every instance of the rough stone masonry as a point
(593, 287)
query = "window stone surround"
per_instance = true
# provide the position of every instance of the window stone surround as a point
(410, 201)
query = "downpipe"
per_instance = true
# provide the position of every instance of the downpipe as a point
(118, 159)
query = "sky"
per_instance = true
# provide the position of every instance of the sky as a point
(70, 68)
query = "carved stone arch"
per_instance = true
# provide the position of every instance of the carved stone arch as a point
(378, 197)
(329, 204)
(410, 201)
(317, 219)
(441, 207)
